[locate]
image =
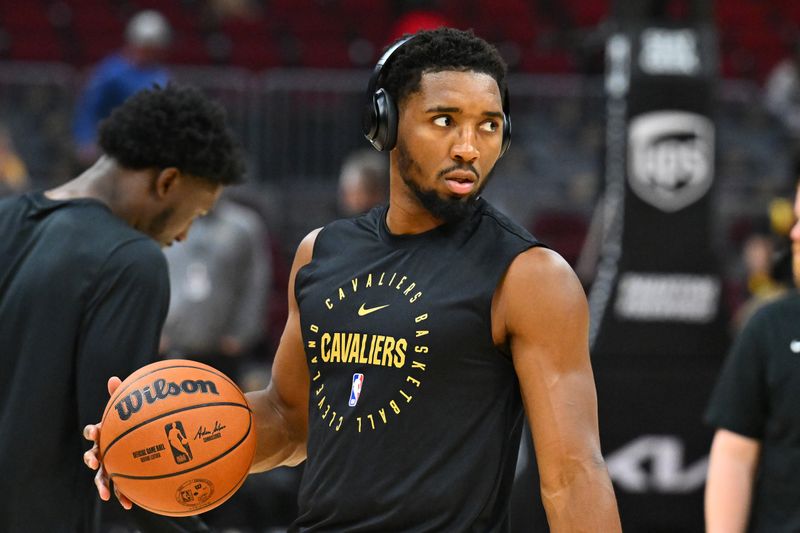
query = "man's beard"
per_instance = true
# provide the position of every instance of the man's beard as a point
(446, 209)
(156, 226)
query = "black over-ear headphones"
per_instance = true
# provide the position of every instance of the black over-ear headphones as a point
(380, 116)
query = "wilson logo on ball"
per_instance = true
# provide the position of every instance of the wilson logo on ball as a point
(159, 390)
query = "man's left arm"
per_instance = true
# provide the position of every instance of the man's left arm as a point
(542, 310)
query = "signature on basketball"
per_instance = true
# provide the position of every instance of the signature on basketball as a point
(160, 389)
(206, 435)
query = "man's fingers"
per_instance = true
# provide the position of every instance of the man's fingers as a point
(125, 502)
(90, 457)
(113, 383)
(91, 432)
(102, 485)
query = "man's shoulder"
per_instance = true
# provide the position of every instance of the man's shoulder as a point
(94, 235)
(136, 264)
(785, 305)
(110, 66)
(772, 319)
(369, 221)
(95, 222)
(505, 224)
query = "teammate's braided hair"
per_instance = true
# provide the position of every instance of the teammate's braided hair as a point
(173, 126)
(438, 50)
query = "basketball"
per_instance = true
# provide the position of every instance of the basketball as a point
(177, 437)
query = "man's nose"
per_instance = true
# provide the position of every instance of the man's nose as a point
(465, 148)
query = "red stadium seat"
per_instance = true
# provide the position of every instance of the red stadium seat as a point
(36, 45)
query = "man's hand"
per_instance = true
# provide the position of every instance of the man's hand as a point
(92, 457)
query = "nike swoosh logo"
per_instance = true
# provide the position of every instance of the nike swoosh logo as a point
(363, 311)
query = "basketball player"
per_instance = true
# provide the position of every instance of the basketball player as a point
(84, 291)
(755, 455)
(421, 333)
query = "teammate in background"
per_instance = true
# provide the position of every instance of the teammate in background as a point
(84, 291)
(755, 455)
(363, 182)
(444, 323)
(135, 67)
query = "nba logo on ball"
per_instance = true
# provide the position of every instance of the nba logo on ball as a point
(355, 390)
(176, 437)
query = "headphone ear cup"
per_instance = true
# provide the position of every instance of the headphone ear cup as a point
(385, 131)
(369, 120)
(506, 142)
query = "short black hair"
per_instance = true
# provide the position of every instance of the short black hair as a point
(173, 126)
(438, 50)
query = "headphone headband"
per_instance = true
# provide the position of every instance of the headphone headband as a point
(376, 72)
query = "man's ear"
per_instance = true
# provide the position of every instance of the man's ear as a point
(166, 180)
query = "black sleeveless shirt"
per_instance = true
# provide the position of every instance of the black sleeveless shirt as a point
(415, 415)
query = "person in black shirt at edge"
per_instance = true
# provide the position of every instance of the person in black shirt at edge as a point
(755, 454)
(84, 292)
(421, 332)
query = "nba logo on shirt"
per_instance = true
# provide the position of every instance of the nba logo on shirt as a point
(355, 390)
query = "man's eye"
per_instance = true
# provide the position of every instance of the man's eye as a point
(489, 125)
(443, 121)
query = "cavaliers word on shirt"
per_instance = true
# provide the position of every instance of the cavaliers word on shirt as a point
(415, 415)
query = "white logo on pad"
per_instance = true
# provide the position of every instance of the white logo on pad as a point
(671, 158)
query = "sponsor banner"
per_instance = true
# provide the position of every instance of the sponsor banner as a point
(658, 290)
(670, 52)
(687, 298)
(655, 443)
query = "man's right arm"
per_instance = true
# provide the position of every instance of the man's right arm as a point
(729, 488)
(281, 410)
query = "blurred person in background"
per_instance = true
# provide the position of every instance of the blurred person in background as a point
(766, 258)
(138, 65)
(220, 277)
(755, 455)
(85, 292)
(13, 172)
(363, 182)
